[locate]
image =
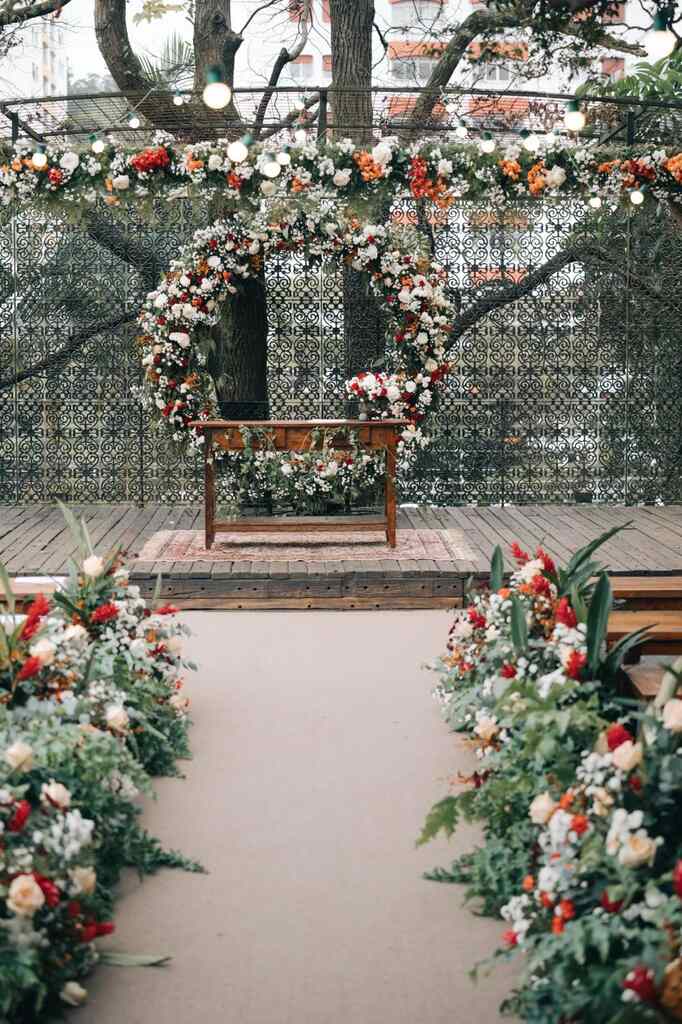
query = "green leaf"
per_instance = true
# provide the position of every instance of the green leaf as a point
(497, 569)
(519, 626)
(617, 652)
(135, 959)
(441, 818)
(585, 552)
(7, 587)
(597, 622)
(74, 526)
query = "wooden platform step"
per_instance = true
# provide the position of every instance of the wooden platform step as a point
(642, 592)
(645, 680)
(664, 629)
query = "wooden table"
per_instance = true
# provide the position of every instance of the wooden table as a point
(295, 435)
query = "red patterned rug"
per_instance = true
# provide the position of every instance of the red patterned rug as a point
(188, 546)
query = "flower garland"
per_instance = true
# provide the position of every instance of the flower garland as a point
(209, 270)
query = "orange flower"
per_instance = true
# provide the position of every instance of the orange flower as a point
(608, 166)
(674, 165)
(16, 165)
(504, 593)
(546, 900)
(566, 800)
(234, 181)
(557, 925)
(567, 908)
(370, 170)
(528, 883)
(536, 180)
(192, 164)
(511, 168)
(297, 185)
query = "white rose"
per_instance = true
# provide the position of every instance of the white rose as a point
(215, 162)
(84, 880)
(54, 794)
(555, 177)
(542, 809)
(117, 718)
(341, 178)
(213, 262)
(93, 566)
(138, 648)
(444, 168)
(392, 393)
(25, 896)
(120, 182)
(404, 296)
(181, 337)
(382, 153)
(430, 365)
(410, 386)
(75, 632)
(19, 756)
(627, 756)
(179, 703)
(636, 850)
(174, 644)
(268, 188)
(44, 650)
(73, 994)
(69, 161)
(160, 301)
(486, 728)
(672, 715)
(602, 801)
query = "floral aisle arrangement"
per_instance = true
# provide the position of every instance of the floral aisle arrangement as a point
(90, 707)
(578, 790)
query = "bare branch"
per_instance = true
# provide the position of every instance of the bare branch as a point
(254, 14)
(286, 122)
(284, 57)
(12, 15)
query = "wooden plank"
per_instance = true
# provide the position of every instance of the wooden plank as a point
(637, 547)
(664, 629)
(463, 535)
(357, 602)
(26, 554)
(516, 523)
(305, 524)
(645, 680)
(580, 531)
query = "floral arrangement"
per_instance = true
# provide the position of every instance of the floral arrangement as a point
(90, 708)
(578, 791)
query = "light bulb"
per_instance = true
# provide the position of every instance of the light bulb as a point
(550, 140)
(217, 94)
(487, 143)
(594, 202)
(574, 119)
(177, 99)
(271, 168)
(531, 143)
(461, 131)
(636, 197)
(283, 159)
(301, 136)
(237, 151)
(660, 41)
(39, 159)
(96, 144)
(134, 121)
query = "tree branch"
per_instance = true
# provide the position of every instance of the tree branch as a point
(12, 15)
(291, 117)
(284, 57)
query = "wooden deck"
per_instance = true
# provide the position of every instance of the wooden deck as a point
(35, 541)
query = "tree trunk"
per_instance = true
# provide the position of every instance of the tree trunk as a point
(238, 363)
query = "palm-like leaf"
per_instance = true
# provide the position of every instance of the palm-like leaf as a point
(173, 63)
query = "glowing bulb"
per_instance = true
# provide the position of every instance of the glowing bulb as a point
(283, 159)
(217, 94)
(660, 41)
(636, 197)
(39, 159)
(594, 202)
(237, 151)
(487, 143)
(461, 131)
(177, 99)
(96, 144)
(531, 143)
(574, 119)
(301, 136)
(271, 168)
(134, 121)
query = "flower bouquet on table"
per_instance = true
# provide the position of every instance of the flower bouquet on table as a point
(527, 678)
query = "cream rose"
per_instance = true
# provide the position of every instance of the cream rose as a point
(672, 715)
(73, 994)
(25, 896)
(486, 728)
(174, 644)
(627, 756)
(179, 703)
(117, 718)
(93, 566)
(54, 794)
(542, 809)
(637, 850)
(341, 178)
(602, 801)
(84, 880)
(121, 182)
(19, 756)
(44, 650)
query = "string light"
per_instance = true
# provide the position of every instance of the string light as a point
(301, 136)
(217, 93)
(283, 159)
(636, 196)
(271, 167)
(133, 120)
(530, 141)
(238, 150)
(487, 143)
(96, 144)
(178, 99)
(660, 41)
(574, 119)
(39, 159)
(594, 202)
(461, 131)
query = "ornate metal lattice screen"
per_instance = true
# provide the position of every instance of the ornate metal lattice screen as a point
(566, 386)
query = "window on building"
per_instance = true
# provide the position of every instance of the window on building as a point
(493, 71)
(405, 11)
(301, 69)
(413, 69)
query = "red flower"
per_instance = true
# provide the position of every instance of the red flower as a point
(477, 620)
(617, 734)
(635, 783)
(30, 668)
(547, 562)
(610, 906)
(104, 613)
(565, 614)
(540, 585)
(88, 932)
(575, 664)
(677, 878)
(55, 176)
(557, 924)
(567, 909)
(20, 816)
(36, 611)
(508, 671)
(73, 908)
(510, 938)
(546, 900)
(579, 824)
(50, 891)
(105, 928)
(519, 554)
(640, 980)
(150, 159)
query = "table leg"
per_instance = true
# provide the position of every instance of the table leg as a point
(209, 492)
(390, 494)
